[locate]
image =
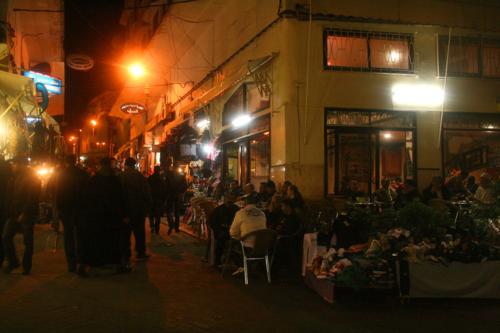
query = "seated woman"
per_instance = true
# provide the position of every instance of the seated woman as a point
(289, 223)
(274, 212)
(295, 198)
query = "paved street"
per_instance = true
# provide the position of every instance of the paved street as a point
(175, 292)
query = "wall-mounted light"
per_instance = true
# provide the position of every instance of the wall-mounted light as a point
(387, 135)
(417, 95)
(203, 124)
(241, 120)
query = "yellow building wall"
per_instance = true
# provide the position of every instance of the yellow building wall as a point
(371, 91)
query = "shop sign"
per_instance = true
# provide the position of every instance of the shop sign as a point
(52, 84)
(132, 108)
(42, 96)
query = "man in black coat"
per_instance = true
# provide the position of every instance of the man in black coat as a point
(158, 188)
(22, 211)
(138, 204)
(106, 232)
(176, 186)
(5, 175)
(69, 188)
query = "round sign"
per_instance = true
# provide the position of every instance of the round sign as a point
(80, 62)
(132, 108)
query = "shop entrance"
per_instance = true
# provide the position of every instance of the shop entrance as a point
(247, 160)
(367, 154)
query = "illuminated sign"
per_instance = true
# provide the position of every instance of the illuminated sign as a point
(132, 108)
(52, 84)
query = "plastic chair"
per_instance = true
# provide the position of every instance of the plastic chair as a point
(257, 246)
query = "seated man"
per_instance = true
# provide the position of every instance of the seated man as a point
(220, 220)
(247, 220)
(485, 193)
(385, 194)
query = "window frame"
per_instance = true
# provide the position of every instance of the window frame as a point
(445, 129)
(369, 35)
(482, 42)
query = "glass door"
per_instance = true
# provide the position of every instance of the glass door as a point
(395, 155)
(354, 162)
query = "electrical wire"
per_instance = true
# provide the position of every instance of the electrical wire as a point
(308, 60)
(444, 87)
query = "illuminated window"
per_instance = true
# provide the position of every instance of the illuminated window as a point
(387, 53)
(471, 143)
(491, 59)
(463, 58)
(469, 57)
(347, 52)
(367, 51)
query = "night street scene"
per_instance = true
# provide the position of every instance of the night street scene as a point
(249, 166)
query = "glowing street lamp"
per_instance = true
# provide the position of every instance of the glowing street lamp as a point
(136, 70)
(93, 123)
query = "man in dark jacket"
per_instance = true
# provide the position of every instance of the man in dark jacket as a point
(138, 203)
(22, 210)
(5, 175)
(105, 231)
(70, 185)
(158, 193)
(220, 221)
(176, 186)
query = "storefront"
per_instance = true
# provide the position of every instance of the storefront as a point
(246, 141)
(368, 146)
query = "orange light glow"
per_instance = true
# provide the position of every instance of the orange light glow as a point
(136, 70)
(93, 122)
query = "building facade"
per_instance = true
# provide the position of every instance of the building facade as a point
(322, 92)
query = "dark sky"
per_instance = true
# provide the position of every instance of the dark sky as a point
(90, 26)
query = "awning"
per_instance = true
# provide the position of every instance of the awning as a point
(16, 90)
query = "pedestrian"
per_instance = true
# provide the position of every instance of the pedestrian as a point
(22, 210)
(176, 186)
(158, 188)
(70, 186)
(137, 203)
(107, 239)
(5, 175)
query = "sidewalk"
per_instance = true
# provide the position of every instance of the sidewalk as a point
(175, 292)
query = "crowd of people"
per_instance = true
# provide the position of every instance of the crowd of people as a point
(100, 211)
(245, 210)
(395, 193)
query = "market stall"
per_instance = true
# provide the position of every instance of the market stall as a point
(417, 251)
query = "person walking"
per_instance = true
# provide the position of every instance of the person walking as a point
(69, 190)
(22, 210)
(158, 188)
(106, 240)
(176, 186)
(5, 175)
(138, 203)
